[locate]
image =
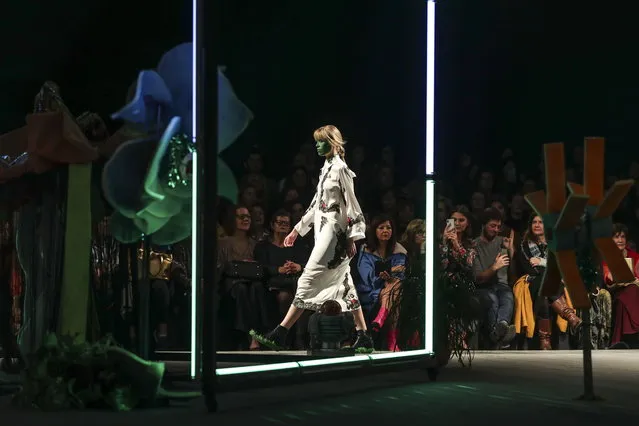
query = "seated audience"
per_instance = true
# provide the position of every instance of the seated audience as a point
(242, 281)
(283, 265)
(491, 274)
(626, 296)
(382, 265)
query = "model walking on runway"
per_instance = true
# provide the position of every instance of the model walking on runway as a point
(338, 222)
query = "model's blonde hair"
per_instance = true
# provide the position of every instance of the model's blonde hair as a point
(333, 136)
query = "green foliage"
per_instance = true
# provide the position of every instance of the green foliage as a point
(66, 373)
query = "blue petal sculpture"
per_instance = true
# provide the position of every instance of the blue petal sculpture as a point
(146, 180)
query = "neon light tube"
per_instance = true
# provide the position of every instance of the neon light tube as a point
(348, 360)
(430, 88)
(194, 203)
(429, 270)
(430, 266)
(430, 184)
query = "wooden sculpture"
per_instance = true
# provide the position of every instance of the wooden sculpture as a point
(581, 222)
(584, 217)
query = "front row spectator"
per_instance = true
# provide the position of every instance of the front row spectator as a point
(382, 266)
(626, 295)
(491, 273)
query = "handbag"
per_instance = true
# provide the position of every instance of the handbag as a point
(239, 270)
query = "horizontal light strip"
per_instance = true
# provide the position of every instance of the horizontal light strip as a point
(263, 368)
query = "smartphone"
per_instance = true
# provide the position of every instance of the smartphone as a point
(382, 266)
(504, 251)
(450, 224)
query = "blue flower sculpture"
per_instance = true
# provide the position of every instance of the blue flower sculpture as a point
(147, 180)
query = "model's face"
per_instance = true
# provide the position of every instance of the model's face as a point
(420, 237)
(384, 231)
(620, 240)
(323, 147)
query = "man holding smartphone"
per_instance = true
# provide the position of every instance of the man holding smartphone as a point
(494, 253)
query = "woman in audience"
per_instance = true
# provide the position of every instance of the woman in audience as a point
(283, 265)
(626, 297)
(531, 258)
(413, 241)
(242, 278)
(382, 265)
(258, 228)
(458, 289)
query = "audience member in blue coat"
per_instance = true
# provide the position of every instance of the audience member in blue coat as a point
(382, 265)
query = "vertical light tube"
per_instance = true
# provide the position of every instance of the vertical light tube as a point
(430, 89)
(429, 328)
(194, 213)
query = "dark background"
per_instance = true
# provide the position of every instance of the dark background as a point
(510, 73)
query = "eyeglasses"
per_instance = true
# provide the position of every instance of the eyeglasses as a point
(282, 223)
(243, 216)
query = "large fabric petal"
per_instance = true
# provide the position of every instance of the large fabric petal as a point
(176, 70)
(152, 98)
(233, 115)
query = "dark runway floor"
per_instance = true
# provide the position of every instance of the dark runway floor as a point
(527, 388)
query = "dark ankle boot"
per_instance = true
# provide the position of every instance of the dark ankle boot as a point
(364, 342)
(543, 330)
(274, 339)
(564, 311)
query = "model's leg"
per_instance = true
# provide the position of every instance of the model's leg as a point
(294, 313)
(364, 342)
(360, 322)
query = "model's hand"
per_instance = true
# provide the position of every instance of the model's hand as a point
(290, 238)
(350, 248)
(535, 261)
(398, 268)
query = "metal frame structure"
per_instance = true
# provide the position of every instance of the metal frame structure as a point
(205, 45)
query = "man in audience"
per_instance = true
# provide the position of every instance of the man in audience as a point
(491, 274)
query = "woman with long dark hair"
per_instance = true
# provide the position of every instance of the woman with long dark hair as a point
(458, 290)
(382, 265)
(531, 259)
